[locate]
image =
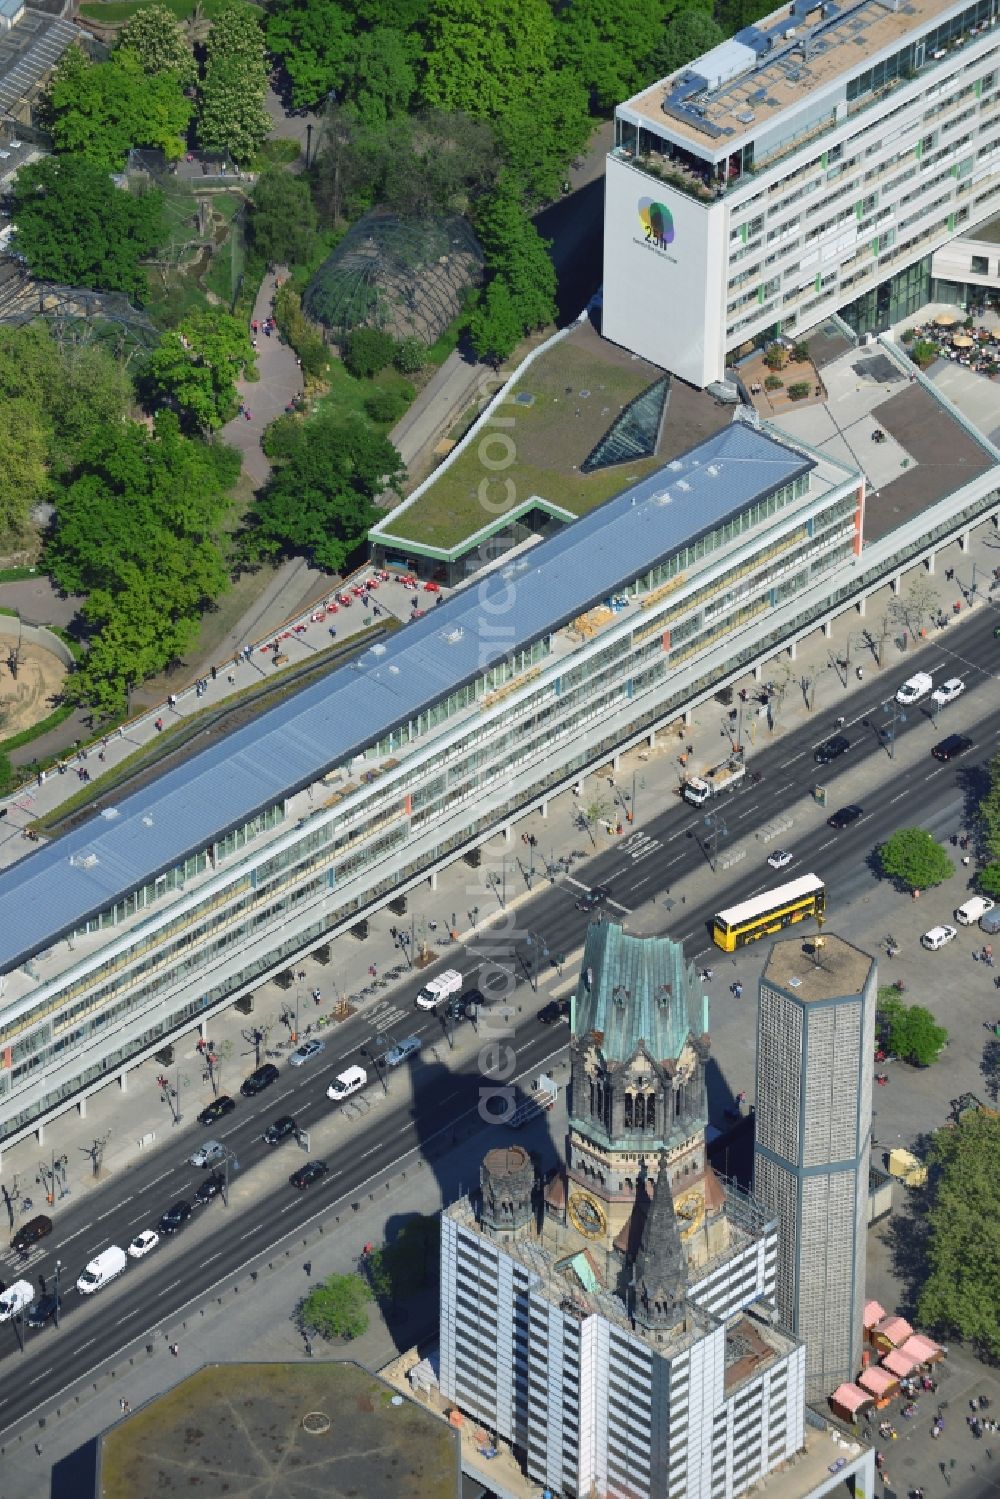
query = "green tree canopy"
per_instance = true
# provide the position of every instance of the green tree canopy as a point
(74, 226)
(495, 328)
(156, 41)
(237, 35)
(912, 857)
(368, 350)
(989, 809)
(283, 223)
(315, 41)
(961, 1293)
(522, 294)
(101, 110)
(481, 54)
(989, 880)
(382, 78)
(543, 127)
(338, 1308)
(139, 530)
(685, 36)
(195, 367)
(911, 1030)
(25, 448)
(608, 48)
(319, 499)
(231, 115)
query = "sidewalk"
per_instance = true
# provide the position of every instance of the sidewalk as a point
(463, 898)
(265, 399)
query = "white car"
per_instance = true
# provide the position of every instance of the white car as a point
(143, 1244)
(306, 1052)
(948, 692)
(207, 1154)
(16, 1299)
(914, 688)
(938, 937)
(780, 859)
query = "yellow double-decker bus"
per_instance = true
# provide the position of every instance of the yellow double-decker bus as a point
(769, 912)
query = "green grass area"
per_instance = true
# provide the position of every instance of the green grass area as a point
(116, 12)
(346, 396)
(579, 388)
(276, 153)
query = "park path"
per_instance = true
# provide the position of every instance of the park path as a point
(279, 382)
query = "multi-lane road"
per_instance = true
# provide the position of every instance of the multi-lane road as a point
(663, 853)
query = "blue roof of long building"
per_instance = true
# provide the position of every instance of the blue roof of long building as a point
(57, 887)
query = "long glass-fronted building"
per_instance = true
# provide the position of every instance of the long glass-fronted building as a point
(165, 908)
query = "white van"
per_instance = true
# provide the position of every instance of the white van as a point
(103, 1267)
(975, 907)
(915, 688)
(347, 1083)
(449, 982)
(16, 1299)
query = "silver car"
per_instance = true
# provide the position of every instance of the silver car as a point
(306, 1052)
(207, 1154)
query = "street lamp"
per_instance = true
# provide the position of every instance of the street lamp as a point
(58, 1268)
(376, 1062)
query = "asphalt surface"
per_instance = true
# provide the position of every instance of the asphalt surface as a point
(264, 1209)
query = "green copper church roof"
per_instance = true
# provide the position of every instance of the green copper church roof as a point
(637, 989)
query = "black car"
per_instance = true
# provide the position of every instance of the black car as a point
(832, 749)
(591, 898)
(472, 999)
(29, 1233)
(846, 816)
(43, 1310)
(259, 1080)
(280, 1130)
(217, 1109)
(955, 744)
(307, 1174)
(210, 1187)
(556, 1009)
(175, 1217)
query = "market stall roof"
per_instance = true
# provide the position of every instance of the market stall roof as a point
(924, 1350)
(878, 1381)
(847, 1397)
(963, 341)
(898, 1363)
(895, 1329)
(945, 320)
(873, 1314)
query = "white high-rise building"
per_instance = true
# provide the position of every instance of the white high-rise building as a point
(618, 1326)
(815, 1064)
(812, 163)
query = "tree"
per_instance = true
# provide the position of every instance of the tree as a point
(382, 79)
(156, 41)
(337, 1308)
(319, 499)
(686, 35)
(74, 226)
(918, 603)
(231, 115)
(989, 880)
(101, 110)
(912, 857)
(368, 351)
(481, 54)
(237, 36)
(195, 366)
(496, 326)
(989, 809)
(608, 48)
(283, 222)
(911, 1030)
(961, 1293)
(314, 40)
(542, 128)
(25, 447)
(303, 335)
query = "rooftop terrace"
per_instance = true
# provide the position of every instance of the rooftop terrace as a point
(728, 93)
(829, 971)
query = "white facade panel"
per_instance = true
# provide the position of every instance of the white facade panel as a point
(664, 278)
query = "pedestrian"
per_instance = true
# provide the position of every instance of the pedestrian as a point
(172, 701)
(158, 725)
(215, 673)
(307, 1267)
(175, 1350)
(124, 1405)
(739, 990)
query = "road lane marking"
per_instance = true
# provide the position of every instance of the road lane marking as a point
(785, 763)
(825, 845)
(77, 1233)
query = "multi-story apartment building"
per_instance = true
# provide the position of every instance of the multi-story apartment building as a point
(815, 1061)
(617, 1326)
(162, 908)
(811, 164)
